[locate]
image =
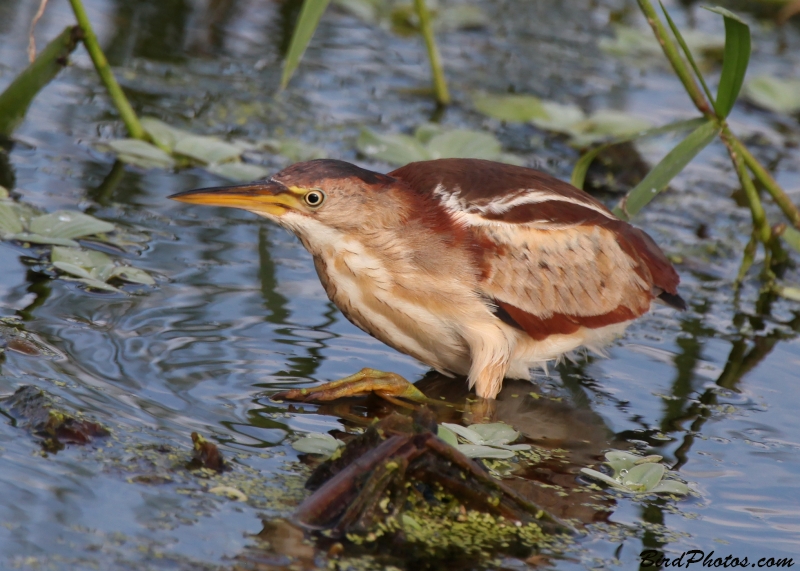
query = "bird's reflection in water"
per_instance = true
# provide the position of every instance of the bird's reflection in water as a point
(578, 436)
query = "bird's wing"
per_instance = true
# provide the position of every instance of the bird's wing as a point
(552, 258)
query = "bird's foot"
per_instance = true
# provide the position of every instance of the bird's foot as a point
(389, 386)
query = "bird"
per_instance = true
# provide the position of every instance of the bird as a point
(476, 268)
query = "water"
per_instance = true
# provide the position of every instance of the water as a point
(238, 312)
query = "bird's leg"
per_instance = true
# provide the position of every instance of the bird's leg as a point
(390, 386)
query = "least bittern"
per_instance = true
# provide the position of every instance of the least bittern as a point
(473, 267)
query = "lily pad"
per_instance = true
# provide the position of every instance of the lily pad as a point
(39, 239)
(140, 153)
(560, 117)
(96, 284)
(162, 133)
(317, 443)
(607, 124)
(780, 95)
(480, 451)
(239, 171)
(207, 150)
(10, 222)
(670, 487)
(513, 108)
(393, 148)
(133, 275)
(644, 477)
(447, 435)
(495, 433)
(637, 42)
(68, 224)
(464, 143)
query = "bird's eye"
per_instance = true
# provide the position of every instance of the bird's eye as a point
(314, 198)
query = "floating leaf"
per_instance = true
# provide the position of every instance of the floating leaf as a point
(629, 41)
(84, 258)
(208, 150)
(735, 60)
(140, 153)
(559, 117)
(68, 224)
(133, 275)
(163, 134)
(239, 171)
(72, 269)
(658, 178)
(513, 108)
(602, 477)
(495, 433)
(479, 451)
(466, 433)
(607, 124)
(789, 292)
(643, 477)
(464, 143)
(776, 94)
(393, 148)
(427, 131)
(10, 222)
(96, 284)
(670, 487)
(317, 443)
(447, 435)
(39, 239)
(298, 151)
(459, 17)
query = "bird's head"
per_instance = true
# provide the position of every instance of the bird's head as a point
(333, 193)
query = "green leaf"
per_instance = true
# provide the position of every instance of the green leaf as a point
(238, 171)
(393, 148)
(643, 477)
(480, 451)
(68, 224)
(86, 259)
(39, 239)
(207, 150)
(560, 117)
(670, 487)
(464, 143)
(133, 275)
(735, 60)
(792, 237)
(316, 443)
(789, 292)
(466, 433)
(776, 94)
(96, 284)
(163, 134)
(140, 153)
(606, 124)
(72, 269)
(307, 22)
(658, 178)
(511, 108)
(602, 477)
(582, 166)
(687, 52)
(10, 222)
(447, 435)
(495, 433)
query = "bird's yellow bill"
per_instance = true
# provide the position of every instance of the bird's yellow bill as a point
(262, 198)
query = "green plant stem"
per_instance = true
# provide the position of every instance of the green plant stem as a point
(765, 178)
(121, 102)
(747, 260)
(439, 81)
(760, 225)
(674, 57)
